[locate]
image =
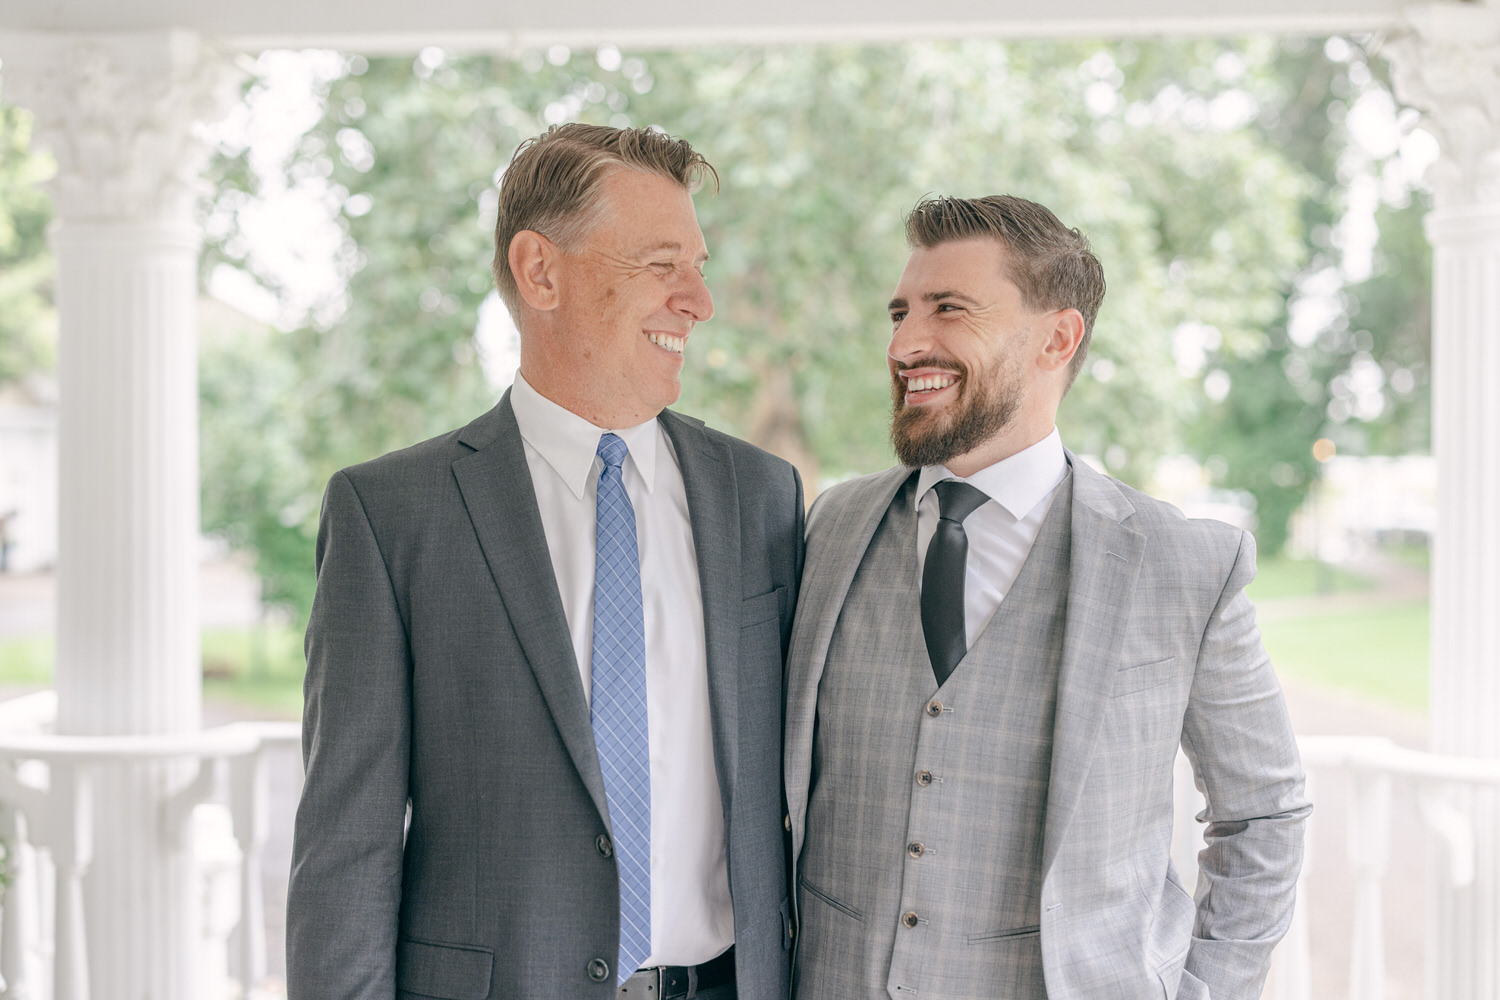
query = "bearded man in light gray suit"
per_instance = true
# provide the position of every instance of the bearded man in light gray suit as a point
(994, 823)
(464, 831)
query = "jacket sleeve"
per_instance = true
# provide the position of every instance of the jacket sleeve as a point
(345, 889)
(1238, 736)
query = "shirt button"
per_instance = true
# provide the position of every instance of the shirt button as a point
(924, 778)
(603, 846)
(916, 848)
(908, 919)
(598, 970)
(934, 708)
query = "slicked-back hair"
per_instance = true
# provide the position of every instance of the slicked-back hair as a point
(553, 184)
(1051, 264)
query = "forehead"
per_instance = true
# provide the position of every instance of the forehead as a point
(642, 212)
(964, 265)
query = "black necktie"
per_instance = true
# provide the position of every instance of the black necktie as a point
(943, 577)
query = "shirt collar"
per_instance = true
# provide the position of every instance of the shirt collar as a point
(569, 443)
(1017, 483)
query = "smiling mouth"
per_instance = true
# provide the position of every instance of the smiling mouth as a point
(667, 341)
(922, 387)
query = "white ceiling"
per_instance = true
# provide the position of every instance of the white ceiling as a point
(374, 25)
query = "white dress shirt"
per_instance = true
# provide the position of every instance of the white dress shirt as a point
(692, 919)
(1000, 531)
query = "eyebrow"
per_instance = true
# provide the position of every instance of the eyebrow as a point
(940, 296)
(671, 245)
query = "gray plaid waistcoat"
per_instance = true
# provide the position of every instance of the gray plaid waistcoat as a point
(921, 875)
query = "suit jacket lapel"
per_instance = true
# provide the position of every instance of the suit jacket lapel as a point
(834, 554)
(496, 486)
(708, 478)
(1104, 562)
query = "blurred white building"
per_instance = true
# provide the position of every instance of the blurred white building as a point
(28, 475)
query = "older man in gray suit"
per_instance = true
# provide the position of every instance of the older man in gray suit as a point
(980, 777)
(544, 685)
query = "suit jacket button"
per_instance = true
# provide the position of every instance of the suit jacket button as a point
(916, 848)
(924, 778)
(909, 918)
(934, 708)
(603, 846)
(598, 970)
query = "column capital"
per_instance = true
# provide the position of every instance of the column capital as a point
(1445, 61)
(120, 113)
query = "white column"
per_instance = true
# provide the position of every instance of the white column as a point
(119, 112)
(1447, 64)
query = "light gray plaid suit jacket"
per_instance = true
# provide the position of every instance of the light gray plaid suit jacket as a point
(1160, 648)
(441, 675)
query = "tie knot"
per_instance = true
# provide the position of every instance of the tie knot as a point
(957, 500)
(612, 450)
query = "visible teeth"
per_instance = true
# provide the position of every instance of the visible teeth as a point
(928, 382)
(668, 342)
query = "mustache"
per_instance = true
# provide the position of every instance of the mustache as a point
(944, 364)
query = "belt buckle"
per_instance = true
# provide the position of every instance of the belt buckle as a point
(643, 984)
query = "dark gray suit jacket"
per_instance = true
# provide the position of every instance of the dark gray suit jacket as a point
(441, 675)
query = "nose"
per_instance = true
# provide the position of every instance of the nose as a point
(909, 341)
(693, 299)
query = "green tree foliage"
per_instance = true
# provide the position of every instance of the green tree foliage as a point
(1358, 371)
(1186, 163)
(28, 322)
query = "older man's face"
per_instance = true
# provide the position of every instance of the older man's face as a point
(630, 296)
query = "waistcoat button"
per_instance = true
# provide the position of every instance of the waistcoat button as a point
(909, 918)
(916, 848)
(603, 846)
(934, 708)
(924, 778)
(598, 970)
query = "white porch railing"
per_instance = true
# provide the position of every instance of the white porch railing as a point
(1372, 766)
(46, 823)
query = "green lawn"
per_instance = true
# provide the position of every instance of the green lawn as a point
(259, 670)
(1378, 653)
(1283, 577)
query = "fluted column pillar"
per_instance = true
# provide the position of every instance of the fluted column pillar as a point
(118, 113)
(1447, 64)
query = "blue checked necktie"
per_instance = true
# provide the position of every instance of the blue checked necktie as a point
(617, 705)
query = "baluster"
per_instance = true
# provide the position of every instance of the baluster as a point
(249, 798)
(71, 805)
(17, 925)
(1291, 963)
(1369, 849)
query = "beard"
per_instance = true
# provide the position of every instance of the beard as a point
(981, 411)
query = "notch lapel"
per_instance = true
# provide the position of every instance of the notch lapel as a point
(708, 479)
(496, 485)
(833, 555)
(1105, 560)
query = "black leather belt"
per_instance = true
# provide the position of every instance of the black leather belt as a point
(668, 982)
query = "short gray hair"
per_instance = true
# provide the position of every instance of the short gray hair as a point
(553, 181)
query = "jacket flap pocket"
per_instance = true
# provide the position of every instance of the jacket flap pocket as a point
(761, 608)
(444, 971)
(1142, 676)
